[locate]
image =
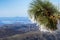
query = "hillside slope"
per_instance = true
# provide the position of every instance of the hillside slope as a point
(36, 35)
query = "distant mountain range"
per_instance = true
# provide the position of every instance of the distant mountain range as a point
(14, 18)
(9, 20)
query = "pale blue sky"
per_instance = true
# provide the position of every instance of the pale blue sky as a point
(14, 8)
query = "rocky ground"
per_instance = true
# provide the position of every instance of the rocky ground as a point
(37, 35)
(26, 32)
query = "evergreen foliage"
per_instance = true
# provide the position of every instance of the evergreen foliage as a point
(44, 12)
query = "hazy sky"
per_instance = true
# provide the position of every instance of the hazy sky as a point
(15, 8)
